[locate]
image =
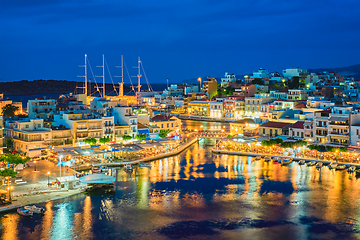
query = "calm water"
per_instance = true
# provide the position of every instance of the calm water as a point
(200, 195)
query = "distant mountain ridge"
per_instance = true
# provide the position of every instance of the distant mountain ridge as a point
(25, 87)
(353, 70)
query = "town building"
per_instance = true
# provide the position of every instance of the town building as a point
(199, 107)
(41, 108)
(245, 127)
(216, 108)
(273, 129)
(164, 122)
(2, 142)
(227, 79)
(210, 87)
(125, 116)
(293, 72)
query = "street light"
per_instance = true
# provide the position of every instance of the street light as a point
(35, 165)
(48, 173)
(199, 79)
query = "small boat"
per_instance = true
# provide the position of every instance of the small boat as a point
(301, 162)
(309, 164)
(286, 161)
(340, 167)
(96, 170)
(103, 168)
(351, 169)
(257, 158)
(128, 168)
(319, 165)
(144, 165)
(332, 165)
(35, 209)
(276, 159)
(267, 159)
(24, 212)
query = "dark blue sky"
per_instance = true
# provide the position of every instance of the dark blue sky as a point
(47, 39)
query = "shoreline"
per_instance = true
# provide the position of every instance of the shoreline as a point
(45, 196)
(357, 165)
(40, 198)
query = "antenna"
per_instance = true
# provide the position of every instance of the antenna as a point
(103, 77)
(85, 76)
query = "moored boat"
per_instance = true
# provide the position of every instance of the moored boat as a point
(128, 168)
(24, 212)
(276, 159)
(267, 159)
(332, 165)
(286, 161)
(312, 163)
(96, 170)
(340, 167)
(301, 162)
(35, 209)
(351, 169)
(257, 158)
(319, 165)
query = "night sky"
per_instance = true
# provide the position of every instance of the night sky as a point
(179, 40)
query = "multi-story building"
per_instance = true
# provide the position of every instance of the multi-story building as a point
(338, 127)
(253, 105)
(293, 72)
(199, 107)
(320, 126)
(41, 108)
(125, 116)
(30, 136)
(121, 130)
(246, 127)
(273, 129)
(210, 87)
(297, 130)
(86, 125)
(216, 108)
(164, 122)
(61, 135)
(227, 79)
(297, 94)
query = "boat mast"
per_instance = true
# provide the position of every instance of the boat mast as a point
(139, 75)
(85, 76)
(103, 77)
(121, 84)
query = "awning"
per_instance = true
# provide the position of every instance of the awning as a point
(307, 123)
(143, 131)
(97, 178)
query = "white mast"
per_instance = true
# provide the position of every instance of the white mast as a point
(139, 75)
(85, 76)
(121, 84)
(103, 77)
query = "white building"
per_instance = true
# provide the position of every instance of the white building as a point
(293, 72)
(124, 115)
(216, 109)
(262, 73)
(41, 108)
(227, 79)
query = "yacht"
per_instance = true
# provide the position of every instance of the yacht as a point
(309, 164)
(319, 165)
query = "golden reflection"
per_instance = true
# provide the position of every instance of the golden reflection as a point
(10, 226)
(47, 221)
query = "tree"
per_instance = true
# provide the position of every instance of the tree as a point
(258, 81)
(104, 140)
(14, 159)
(8, 172)
(9, 110)
(163, 133)
(91, 141)
(140, 136)
(10, 143)
(126, 137)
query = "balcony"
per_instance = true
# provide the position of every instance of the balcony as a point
(38, 139)
(338, 134)
(340, 124)
(95, 128)
(81, 129)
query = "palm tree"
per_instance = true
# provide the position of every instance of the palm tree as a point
(9, 110)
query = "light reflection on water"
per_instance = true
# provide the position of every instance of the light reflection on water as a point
(203, 195)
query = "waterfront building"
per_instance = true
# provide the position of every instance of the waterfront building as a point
(293, 72)
(216, 108)
(273, 129)
(121, 130)
(85, 126)
(125, 116)
(30, 136)
(41, 108)
(3, 103)
(253, 105)
(164, 122)
(210, 87)
(199, 107)
(297, 130)
(227, 79)
(61, 135)
(245, 127)
(338, 127)
(320, 126)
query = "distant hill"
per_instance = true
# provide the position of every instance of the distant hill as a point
(353, 70)
(25, 87)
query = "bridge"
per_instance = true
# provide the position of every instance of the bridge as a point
(208, 134)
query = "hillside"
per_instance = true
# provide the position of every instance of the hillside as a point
(353, 70)
(26, 87)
